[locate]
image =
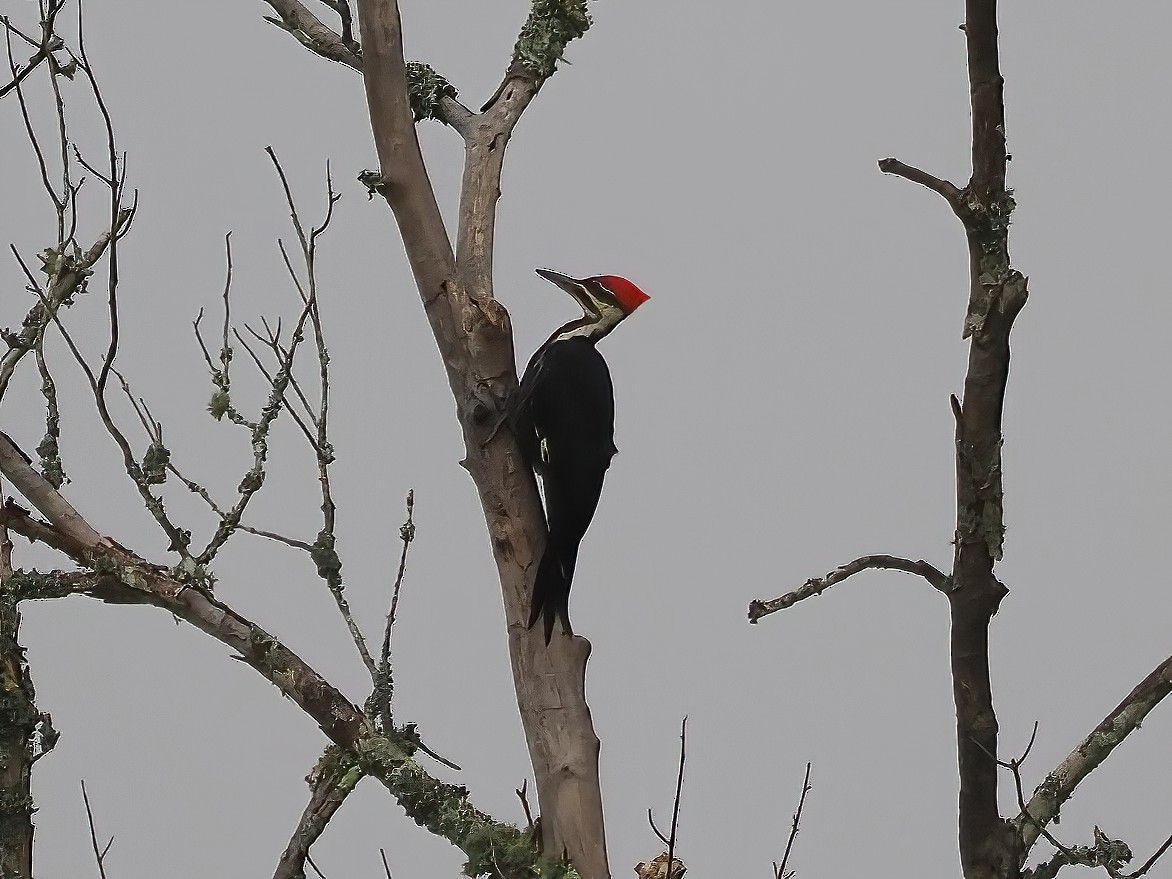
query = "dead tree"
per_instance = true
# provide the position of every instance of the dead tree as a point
(991, 847)
(474, 337)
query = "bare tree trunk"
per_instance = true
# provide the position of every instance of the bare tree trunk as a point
(988, 846)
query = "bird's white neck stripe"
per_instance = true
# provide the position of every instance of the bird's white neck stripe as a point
(591, 327)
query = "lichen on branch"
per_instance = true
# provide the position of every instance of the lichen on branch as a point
(551, 26)
(426, 89)
(493, 848)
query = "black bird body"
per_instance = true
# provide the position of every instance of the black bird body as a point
(564, 423)
(567, 438)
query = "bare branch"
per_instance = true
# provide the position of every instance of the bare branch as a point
(124, 578)
(779, 871)
(816, 586)
(655, 828)
(1014, 766)
(403, 175)
(941, 187)
(323, 551)
(1151, 862)
(342, 7)
(1046, 803)
(383, 680)
(666, 864)
(252, 481)
(99, 852)
(17, 468)
(431, 95)
(34, 141)
(67, 277)
(313, 34)
(38, 57)
(523, 795)
(675, 809)
(331, 781)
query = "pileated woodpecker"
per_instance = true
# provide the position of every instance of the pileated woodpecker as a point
(564, 423)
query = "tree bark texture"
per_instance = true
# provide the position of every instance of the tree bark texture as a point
(19, 720)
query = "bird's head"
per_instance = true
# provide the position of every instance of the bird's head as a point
(606, 299)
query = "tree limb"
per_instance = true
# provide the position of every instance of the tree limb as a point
(941, 187)
(816, 586)
(69, 272)
(17, 468)
(1045, 804)
(312, 33)
(431, 95)
(118, 576)
(330, 782)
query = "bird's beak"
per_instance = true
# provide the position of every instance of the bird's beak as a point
(572, 286)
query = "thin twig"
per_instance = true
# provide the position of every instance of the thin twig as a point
(406, 534)
(669, 840)
(383, 679)
(99, 853)
(523, 796)
(1152, 860)
(252, 481)
(386, 866)
(1014, 766)
(279, 538)
(58, 203)
(675, 809)
(779, 869)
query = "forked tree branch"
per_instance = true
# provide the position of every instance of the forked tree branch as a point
(100, 851)
(474, 336)
(431, 95)
(311, 32)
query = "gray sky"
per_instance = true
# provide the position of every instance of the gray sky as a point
(782, 408)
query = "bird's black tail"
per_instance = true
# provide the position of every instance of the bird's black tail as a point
(551, 594)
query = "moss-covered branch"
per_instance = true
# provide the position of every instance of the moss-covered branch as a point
(426, 90)
(552, 25)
